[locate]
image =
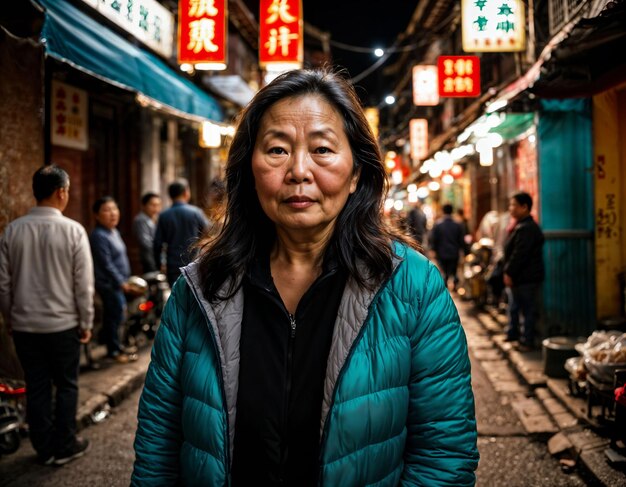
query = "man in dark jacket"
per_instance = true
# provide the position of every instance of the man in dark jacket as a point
(447, 241)
(144, 228)
(112, 270)
(416, 222)
(523, 270)
(178, 228)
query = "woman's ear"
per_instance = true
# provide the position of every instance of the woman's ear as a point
(355, 179)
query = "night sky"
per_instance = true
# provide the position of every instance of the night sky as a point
(357, 22)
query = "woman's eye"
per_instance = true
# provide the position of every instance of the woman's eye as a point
(322, 150)
(277, 150)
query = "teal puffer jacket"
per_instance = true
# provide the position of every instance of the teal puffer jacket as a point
(398, 407)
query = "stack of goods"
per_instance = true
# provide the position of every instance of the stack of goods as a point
(602, 354)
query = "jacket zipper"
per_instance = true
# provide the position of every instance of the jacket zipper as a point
(290, 344)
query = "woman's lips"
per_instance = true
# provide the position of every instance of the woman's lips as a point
(299, 201)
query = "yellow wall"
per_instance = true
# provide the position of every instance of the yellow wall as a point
(609, 127)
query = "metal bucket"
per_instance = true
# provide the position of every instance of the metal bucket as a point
(555, 351)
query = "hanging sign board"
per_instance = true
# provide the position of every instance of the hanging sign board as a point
(425, 89)
(418, 131)
(459, 76)
(147, 20)
(493, 25)
(68, 117)
(280, 33)
(202, 33)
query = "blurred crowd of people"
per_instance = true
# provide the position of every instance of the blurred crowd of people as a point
(49, 269)
(513, 243)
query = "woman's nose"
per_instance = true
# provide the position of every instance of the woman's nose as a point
(300, 170)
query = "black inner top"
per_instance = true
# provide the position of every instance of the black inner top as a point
(281, 378)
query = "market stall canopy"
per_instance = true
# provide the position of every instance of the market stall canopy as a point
(514, 124)
(73, 37)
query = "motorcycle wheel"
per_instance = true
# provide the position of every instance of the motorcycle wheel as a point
(9, 442)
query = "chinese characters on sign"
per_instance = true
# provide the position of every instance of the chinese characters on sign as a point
(280, 33)
(425, 91)
(418, 131)
(202, 33)
(607, 218)
(493, 25)
(68, 116)
(607, 213)
(147, 20)
(458, 76)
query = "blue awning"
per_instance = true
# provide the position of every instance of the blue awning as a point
(73, 37)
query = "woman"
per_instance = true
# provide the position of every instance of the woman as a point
(308, 344)
(112, 271)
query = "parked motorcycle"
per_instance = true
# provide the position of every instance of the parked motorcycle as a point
(145, 302)
(12, 422)
(475, 271)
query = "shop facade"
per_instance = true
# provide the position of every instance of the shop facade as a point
(115, 113)
(554, 130)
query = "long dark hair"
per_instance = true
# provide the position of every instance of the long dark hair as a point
(359, 235)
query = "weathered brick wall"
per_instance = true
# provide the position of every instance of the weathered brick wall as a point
(21, 124)
(21, 145)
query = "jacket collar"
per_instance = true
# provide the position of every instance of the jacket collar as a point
(224, 322)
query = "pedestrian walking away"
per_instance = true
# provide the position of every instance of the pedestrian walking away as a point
(309, 343)
(178, 229)
(144, 228)
(416, 221)
(523, 271)
(112, 271)
(446, 241)
(467, 233)
(46, 298)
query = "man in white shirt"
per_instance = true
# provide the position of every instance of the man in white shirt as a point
(46, 299)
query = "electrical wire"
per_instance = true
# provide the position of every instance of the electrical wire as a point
(372, 68)
(395, 48)
(370, 50)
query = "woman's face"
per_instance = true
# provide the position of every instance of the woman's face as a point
(302, 165)
(108, 215)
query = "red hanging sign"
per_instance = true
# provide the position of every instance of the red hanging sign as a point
(202, 33)
(459, 76)
(280, 32)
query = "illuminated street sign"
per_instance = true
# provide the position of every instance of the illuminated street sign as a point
(372, 115)
(147, 20)
(459, 76)
(425, 89)
(493, 25)
(202, 33)
(280, 33)
(418, 131)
